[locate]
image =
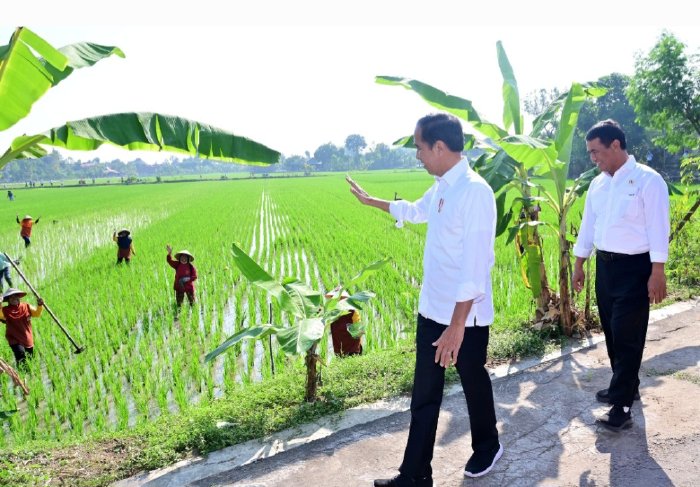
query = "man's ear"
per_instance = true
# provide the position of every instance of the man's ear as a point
(439, 146)
(615, 145)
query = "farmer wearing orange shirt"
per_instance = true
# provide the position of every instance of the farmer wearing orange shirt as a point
(26, 231)
(344, 343)
(18, 323)
(185, 274)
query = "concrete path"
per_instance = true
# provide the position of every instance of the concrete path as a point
(546, 420)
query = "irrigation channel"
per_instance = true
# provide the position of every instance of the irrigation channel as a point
(144, 358)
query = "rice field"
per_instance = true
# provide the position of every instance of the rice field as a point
(142, 358)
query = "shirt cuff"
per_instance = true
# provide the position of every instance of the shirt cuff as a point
(581, 252)
(659, 257)
(394, 211)
(468, 291)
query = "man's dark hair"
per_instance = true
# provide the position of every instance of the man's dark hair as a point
(607, 131)
(441, 126)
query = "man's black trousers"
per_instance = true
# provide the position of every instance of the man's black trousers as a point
(428, 383)
(623, 305)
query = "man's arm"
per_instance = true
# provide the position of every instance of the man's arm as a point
(658, 227)
(584, 244)
(364, 197)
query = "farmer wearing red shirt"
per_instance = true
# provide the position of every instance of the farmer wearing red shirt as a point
(18, 323)
(124, 244)
(343, 342)
(185, 274)
(26, 231)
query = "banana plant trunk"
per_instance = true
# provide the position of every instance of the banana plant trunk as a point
(311, 360)
(565, 311)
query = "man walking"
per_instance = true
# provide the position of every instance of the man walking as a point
(626, 219)
(455, 307)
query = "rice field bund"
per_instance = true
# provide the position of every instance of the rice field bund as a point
(142, 359)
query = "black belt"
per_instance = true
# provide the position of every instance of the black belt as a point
(610, 256)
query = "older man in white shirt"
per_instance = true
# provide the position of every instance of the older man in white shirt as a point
(626, 219)
(455, 306)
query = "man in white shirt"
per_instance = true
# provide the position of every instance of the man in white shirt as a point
(455, 307)
(626, 219)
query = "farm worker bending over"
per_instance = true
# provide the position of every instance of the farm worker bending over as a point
(343, 342)
(125, 245)
(185, 274)
(455, 307)
(26, 230)
(18, 323)
(5, 270)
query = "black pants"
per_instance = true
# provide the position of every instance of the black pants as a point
(623, 305)
(27, 241)
(428, 384)
(21, 354)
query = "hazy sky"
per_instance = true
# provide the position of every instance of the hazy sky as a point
(296, 74)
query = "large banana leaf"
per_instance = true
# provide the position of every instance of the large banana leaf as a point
(528, 151)
(299, 338)
(458, 107)
(257, 276)
(511, 97)
(29, 66)
(146, 131)
(253, 333)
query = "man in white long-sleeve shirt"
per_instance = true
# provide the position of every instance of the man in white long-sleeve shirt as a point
(455, 307)
(626, 219)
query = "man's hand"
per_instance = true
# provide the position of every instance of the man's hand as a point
(39, 302)
(448, 345)
(657, 284)
(578, 279)
(169, 249)
(359, 193)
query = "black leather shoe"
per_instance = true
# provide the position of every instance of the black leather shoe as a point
(400, 481)
(604, 397)
(616, 419)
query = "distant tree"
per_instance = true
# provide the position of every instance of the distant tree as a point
(536, 102)
(665, 92)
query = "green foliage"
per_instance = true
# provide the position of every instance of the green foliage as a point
(665, 92)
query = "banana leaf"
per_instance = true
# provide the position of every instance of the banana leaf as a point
(511, 97)
(253, 333)
(146, 131)
(30, 66)
(299, 338)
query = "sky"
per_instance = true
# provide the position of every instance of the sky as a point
(297, 74)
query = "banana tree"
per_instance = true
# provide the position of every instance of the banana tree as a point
(30, 66)
(514, 161)
(311, 313)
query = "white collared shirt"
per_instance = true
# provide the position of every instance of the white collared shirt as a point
(460, 209)
(627, 213)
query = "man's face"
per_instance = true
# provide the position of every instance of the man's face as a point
(606, 158)
(13, 300)
(425, 154)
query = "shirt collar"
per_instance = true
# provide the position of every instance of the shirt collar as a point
(626, 167)
(451, 176)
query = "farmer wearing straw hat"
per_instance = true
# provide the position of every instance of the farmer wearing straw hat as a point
(26, 231)
(344, 343)
(185, 274)
(125, 245)
(18, 319)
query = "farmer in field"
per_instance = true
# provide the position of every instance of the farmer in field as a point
(626, 219)
(344, 343)
(455, 307)
(17, 317)
(10, 195)
(185, 275)
(26, 231)
(125, 246)
(5, 270)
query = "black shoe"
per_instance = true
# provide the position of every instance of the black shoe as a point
(604, 396)
(616, 419)
(401, 481)
(481, 463)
